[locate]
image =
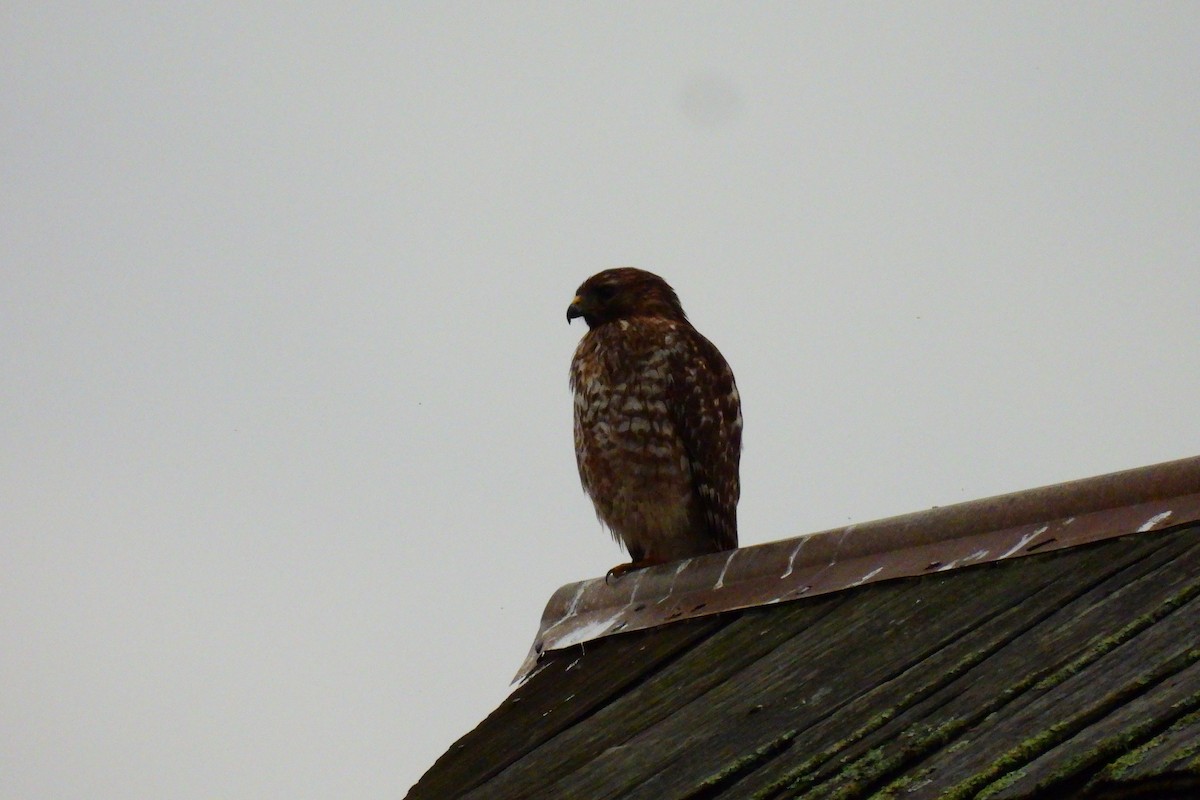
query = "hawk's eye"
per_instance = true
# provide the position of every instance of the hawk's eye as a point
(604, 292)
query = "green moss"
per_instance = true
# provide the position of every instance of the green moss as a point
(876, 765)
(747, 762)
(961, 744)
(1118, 767)
(905, 784)
(923, 740)
(1032, 747)
(859, 773)
(1001, 784)
(1101, 647)
(801, 776)
(1016, 757)
(856, 776)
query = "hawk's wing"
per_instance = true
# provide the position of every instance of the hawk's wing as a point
(706, 411)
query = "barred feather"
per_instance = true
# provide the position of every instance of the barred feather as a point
(658, 424)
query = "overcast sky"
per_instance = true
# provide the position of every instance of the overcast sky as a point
(286, 472)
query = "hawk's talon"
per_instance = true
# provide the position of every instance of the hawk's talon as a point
(620, 570)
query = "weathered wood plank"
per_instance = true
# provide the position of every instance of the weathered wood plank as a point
(662, 694)
(875, 732)
(1175, 752)
(918, 687)
(805, 679)
(1139, 713)
(569, 688)
(1083, 660)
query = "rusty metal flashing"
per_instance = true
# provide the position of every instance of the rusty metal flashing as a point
(991, 529)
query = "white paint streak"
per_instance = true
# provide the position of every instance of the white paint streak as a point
(976, 556)
(837, 548)
(574, 605)
(867, 577)
(1152, 523)
(721, 580)
(792, 558)
(682, 566)
(1026, 539)
(587, 632)
(538, 668)
(637, 583)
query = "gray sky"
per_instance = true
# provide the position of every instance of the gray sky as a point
(286, 473)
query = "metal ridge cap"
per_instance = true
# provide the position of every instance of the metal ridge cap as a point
(1053, 501)
(998, 512)
(973, 532)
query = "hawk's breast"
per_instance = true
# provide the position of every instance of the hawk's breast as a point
(631, 459)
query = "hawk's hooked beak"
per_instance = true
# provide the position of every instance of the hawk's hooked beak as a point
(575, 309)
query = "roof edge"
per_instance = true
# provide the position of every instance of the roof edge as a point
(938, 539)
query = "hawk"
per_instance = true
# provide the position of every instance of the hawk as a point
(658, 421)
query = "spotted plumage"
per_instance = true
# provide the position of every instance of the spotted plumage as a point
(658, 422)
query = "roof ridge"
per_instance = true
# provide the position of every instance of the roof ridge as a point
(974, 532)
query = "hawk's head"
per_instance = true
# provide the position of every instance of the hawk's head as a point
(624, 293)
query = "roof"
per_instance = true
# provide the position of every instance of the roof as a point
(1046, 675)
(939, 539)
